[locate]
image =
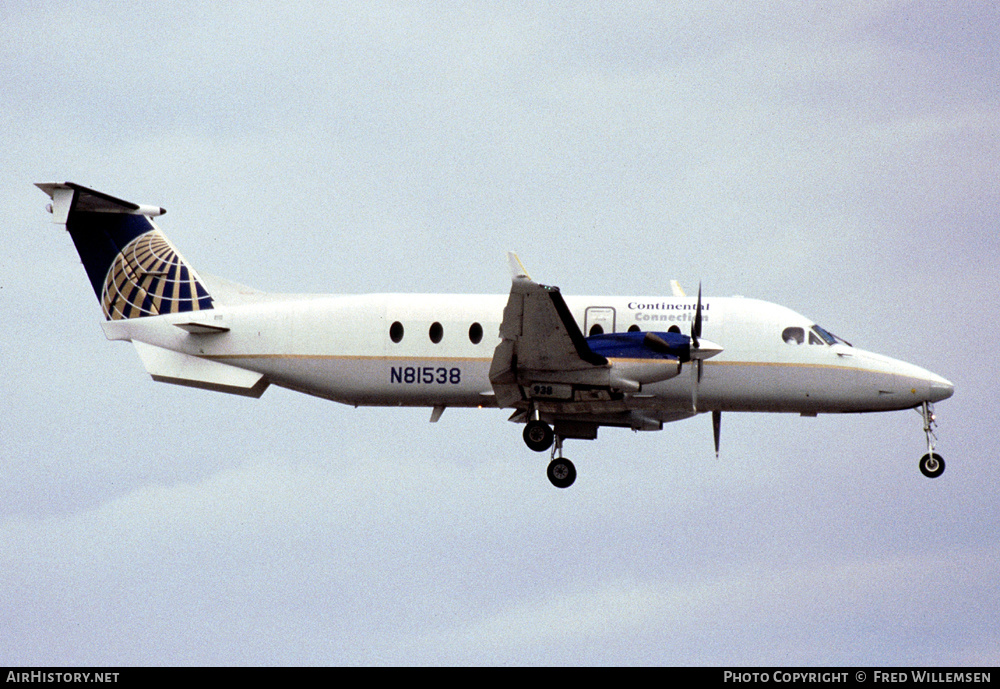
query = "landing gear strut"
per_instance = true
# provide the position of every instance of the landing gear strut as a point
(931, 464)
(561, 471)
(539, 437)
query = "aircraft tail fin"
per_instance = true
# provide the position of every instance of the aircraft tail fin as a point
(134, 269)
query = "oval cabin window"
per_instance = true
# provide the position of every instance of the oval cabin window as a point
(475, 333)
(436, 332)
(396, 332)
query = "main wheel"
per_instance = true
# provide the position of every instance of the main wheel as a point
(561, 472)
(932, 465)
(538, 436)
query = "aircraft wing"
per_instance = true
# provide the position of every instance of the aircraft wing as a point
(541, 343)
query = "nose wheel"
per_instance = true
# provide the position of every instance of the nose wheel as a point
(931, 464)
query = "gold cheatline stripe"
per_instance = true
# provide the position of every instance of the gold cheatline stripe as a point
(344, 356)
(470, 358)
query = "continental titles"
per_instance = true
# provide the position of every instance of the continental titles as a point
(666, 311)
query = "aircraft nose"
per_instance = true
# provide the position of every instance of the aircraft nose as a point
(940, 389)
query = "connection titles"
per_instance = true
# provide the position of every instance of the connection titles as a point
(686, 315)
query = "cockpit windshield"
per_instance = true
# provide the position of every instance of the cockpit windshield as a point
(817, 336)
(828, 337)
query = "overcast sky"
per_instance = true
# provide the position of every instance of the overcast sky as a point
(838, 158)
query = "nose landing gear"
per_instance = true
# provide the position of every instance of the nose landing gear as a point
(931, 464)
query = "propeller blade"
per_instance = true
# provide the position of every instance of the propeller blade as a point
(716, 430)
(696, 325)
(695, 345)
(694, 386)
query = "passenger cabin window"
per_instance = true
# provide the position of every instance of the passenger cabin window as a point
(596, 329)
(436, 332)
(396, 332)
(633, 328)
(475, 333)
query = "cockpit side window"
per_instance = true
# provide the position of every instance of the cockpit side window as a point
(795, 336)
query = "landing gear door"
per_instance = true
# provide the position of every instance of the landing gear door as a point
(599, 320)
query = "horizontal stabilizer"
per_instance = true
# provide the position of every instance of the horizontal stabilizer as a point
(167, 366)
(68, 196)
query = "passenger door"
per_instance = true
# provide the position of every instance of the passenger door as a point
(599, 320)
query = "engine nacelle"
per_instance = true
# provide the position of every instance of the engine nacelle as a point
(628, 374)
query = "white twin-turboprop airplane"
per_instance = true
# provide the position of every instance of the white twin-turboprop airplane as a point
(625, 367)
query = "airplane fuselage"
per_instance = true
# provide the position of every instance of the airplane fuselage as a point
(342, 348)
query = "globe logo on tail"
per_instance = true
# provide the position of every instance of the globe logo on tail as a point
(149, 278)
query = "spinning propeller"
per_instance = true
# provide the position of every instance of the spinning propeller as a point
(702, 349)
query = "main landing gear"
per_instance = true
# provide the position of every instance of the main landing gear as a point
(539, 437)
(931, 464)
